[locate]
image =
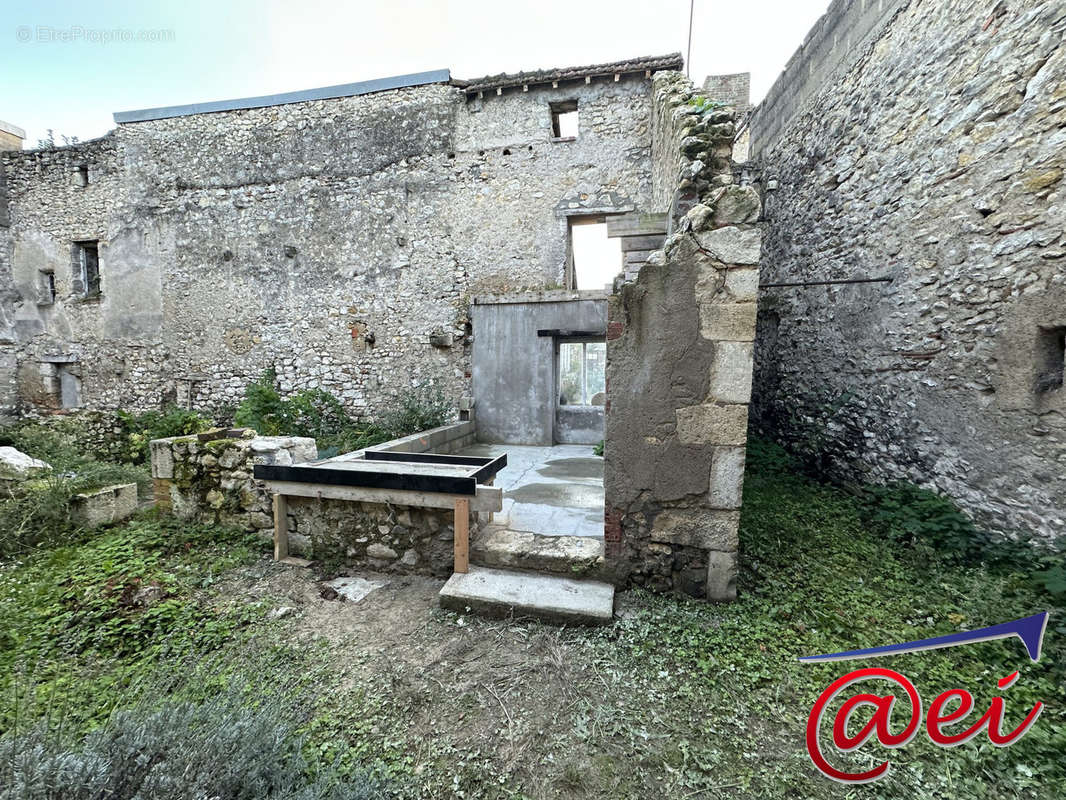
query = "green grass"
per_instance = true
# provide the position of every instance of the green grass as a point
(677, 698)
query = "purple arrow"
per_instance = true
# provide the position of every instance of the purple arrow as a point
(1029, 629)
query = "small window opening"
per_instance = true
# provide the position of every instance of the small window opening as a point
(46, 288)
(564, 120)
(596, 258)
(1052, 359)
(87, 269)
(82, 177)
(62, 384)
(582, 373)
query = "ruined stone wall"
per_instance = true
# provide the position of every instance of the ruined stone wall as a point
(679, 361)
(934, 156)
(209, 478)
(329, 239)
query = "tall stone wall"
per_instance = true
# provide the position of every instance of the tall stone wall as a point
(933, 156)
(330, 239)
(679, 365)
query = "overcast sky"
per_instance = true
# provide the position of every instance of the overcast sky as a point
(67, 66)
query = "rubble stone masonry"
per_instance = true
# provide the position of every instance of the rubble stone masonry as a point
(932, 155)
(338, 241)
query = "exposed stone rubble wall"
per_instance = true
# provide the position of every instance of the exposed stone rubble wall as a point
(211, 480)
(338, 241)
(679, 359)
(935, 157)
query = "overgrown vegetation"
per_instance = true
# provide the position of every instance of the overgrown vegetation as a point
(320, 415)
(39, 511)
(677, 698)
(219, 748)
(140, 429)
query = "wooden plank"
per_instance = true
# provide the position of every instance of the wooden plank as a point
(636, 224)
(462, 535)
(642, 243)
(281, 527)
(637, 256)
(488, 498)
(351, 473)
(488, 472)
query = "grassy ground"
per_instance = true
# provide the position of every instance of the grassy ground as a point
(677, 698)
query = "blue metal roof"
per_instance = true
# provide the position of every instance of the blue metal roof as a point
(325, 93)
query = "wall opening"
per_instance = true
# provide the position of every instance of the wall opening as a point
(582, 373)
(596, 259)
(1051, 355)
(81, 176)
(46, 287)
(61, 381)
(87, 269)
(564, 120)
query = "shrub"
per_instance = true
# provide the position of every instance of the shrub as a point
(320, 415)
(140, 429)
(422, 408)
(217, 749)
(262, 408)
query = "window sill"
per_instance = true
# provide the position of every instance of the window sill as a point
(558, 139)
(89, 299)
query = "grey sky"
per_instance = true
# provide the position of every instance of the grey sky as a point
(68, 66)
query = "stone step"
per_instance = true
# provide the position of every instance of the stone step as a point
(572, 556)
(503, 593)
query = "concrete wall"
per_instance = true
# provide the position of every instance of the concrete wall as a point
(934, 155)
(338, 241)
(514, 381)
(679, 362)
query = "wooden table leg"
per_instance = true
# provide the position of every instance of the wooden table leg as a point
(281, 527)
(462, 535)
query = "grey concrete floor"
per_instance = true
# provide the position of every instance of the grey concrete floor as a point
(553, 491)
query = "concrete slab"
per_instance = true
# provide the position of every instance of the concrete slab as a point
(551, 491)
(501, 593)
(353, 589)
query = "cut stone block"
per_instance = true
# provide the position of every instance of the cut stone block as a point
(501, 593)
(564, 555)
(17, 466)
(697, 527)
(731, 372)
(727, 478)
(713, 424)
(105, 506)
(732, 245)
(730, 322)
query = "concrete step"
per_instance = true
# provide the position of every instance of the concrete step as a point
(501, 593)
(572, 556)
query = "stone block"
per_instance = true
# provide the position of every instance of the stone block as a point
(731, 373)
(727, 478)
(735, 205)
(721, 576)
(712, 424)
(732, 245)
(162, 459)
(730, 322)
(105, 506)
(707, 529)
(742, 284)
(376, 550)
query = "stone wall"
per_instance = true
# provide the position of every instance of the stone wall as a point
(338, 241)
(933, 156)
(679, 361)
(209, 478)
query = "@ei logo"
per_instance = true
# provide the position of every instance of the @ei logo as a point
(1029, 629)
